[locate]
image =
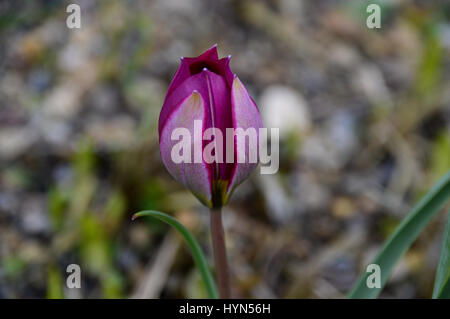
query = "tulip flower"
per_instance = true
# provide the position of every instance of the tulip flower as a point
(205, 89)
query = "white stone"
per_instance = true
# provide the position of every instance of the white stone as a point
(284, 108)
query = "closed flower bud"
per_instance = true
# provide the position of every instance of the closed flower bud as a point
(205, 99)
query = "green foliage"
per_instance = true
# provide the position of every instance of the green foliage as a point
(196, 251)
(429, 71)
(84, 160)
(86, 225)
(57, 203)
(442, 282)
(54, 284)
(13, 266)
(404, 236)
(440, 155)
(112, 284)
(152, 194)
(95, 251)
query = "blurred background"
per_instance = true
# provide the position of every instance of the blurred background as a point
(364, 118)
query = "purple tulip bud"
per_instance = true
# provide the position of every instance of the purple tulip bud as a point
(205, 89)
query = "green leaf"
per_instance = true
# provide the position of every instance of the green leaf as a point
(442, 283)
(196, 251)
(404, 235)
(54, 284)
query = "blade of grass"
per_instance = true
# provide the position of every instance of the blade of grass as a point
(403, 236)
(442, 283)
(196, 251)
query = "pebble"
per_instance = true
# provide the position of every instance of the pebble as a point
(34, 219)
(14, 141)
(334, 145)
(284, 108)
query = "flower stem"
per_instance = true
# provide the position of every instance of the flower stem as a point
(220, 253)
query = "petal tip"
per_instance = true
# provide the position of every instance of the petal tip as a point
(236, 82)
(211, 52)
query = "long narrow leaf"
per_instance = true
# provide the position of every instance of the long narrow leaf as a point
(196, 251)
(403, 236)
(442, 282)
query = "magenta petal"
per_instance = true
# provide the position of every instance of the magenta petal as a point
(208, 55)
(225, 70)
(193, 83)
(195, 176)
(184, 71)
(180, 76)
(218, 101)
(245, 115)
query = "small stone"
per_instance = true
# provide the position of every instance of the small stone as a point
(334, 146)
(116, 133)
(309, 193)
(14, 141)
(52, 130)
(63, 101)
(284, 108)
(370, 81)
(280, 206)
(34, 218)
(343, 208)
(104, 99)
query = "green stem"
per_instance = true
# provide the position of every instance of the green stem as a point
(220, 254)
(196, 251)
